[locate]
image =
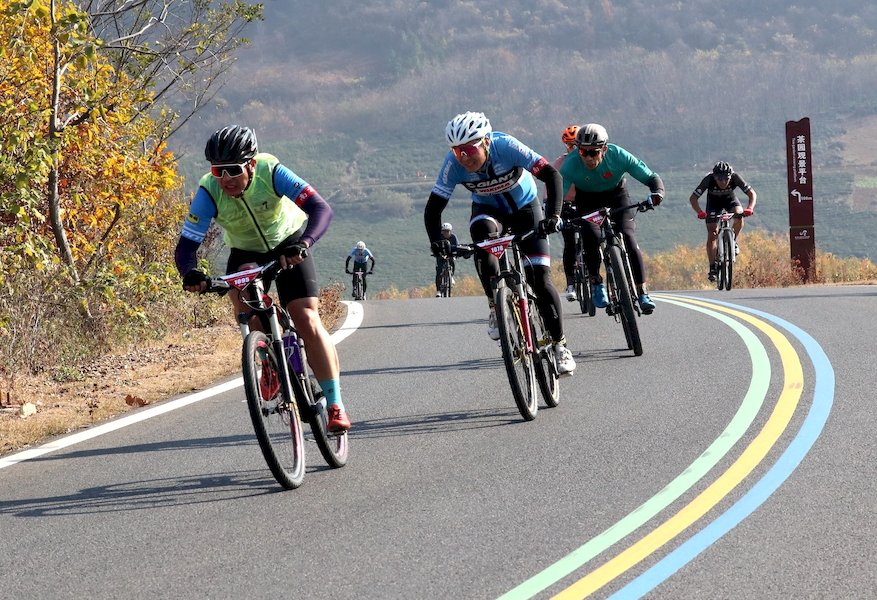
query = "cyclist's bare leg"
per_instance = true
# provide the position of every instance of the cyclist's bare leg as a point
(322, 356)
(712, 230)
(239, 307)
(738, 223)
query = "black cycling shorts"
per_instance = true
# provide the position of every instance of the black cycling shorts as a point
(292, 284)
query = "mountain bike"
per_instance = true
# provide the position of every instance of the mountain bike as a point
(620, 284)
(446, 277)
(726, 250)
(279, 388)
(527, 347)
(358, 283)
(582, 281)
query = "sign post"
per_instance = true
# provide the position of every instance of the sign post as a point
(800, 177)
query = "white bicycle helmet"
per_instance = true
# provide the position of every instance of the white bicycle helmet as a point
(592, 135)
(467, 127)
(446, 227)
(360, 246)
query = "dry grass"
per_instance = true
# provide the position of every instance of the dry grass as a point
(70, 399)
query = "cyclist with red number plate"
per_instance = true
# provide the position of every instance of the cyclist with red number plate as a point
(267, 213)
(719, 186)
(597, 171)
(498, 170)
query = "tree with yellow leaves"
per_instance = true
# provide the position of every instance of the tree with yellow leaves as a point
(88, 192)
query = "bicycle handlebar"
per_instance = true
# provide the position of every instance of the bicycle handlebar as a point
(643, 206)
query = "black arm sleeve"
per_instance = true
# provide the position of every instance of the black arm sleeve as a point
(554, 187)
(185, 255)
(373, 263)
(432, 216)
(347, 264)
(656, 186)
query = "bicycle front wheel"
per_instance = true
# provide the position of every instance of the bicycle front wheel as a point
(446, 283)
(625, 300)
(273, 411)
(545, 362)
(518, 362)
(729, 261)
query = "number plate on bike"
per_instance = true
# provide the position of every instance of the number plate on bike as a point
(498, 246)
(595, 217)
(242, 279)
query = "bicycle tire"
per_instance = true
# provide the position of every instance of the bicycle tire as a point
(729, 261)
(446, 282)
(545, 361)
(518, 362)
(625, 300)
(721, 259)
(276, 420)
(334, 448)
(583, 291)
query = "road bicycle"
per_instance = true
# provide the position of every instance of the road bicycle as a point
(358, 283)
(582, 281)
(726, 249)
(280, 391)
(620, 284)
(527, 348)
(446, 277)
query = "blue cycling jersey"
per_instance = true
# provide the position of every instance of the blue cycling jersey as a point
(504, 182)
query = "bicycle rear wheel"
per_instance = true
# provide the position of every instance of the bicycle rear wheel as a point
(518, 362)
(625, 300)
(545, 363)
(273, 411)
(583, 290)
(332, 447)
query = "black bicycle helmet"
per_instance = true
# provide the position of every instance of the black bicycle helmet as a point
(722, 169)
(232, 144)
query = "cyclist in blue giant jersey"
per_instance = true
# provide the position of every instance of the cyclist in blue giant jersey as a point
(719, 186)
(267, 212)
(360, 255)
(597, 171)
(498, 170)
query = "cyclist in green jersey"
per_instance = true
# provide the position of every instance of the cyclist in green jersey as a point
(597, 171)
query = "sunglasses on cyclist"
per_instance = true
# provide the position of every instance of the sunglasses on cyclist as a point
(470, 150)
(232, 170)
(590, 151)
(722, 178)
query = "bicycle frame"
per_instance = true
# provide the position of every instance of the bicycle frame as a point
(609, 237)
(506, 250)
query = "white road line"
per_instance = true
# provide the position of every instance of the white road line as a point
(351, 323)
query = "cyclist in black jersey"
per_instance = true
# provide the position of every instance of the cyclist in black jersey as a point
(719, 185)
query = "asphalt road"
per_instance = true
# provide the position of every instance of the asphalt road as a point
(734, 459)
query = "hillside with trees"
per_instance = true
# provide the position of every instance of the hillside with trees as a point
(355, 96)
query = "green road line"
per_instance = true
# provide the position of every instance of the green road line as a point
(752, 403)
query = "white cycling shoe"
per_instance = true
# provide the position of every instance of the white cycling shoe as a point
(492, 326)
(566, 364)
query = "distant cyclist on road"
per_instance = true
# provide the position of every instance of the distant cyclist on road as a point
(719, 186)
(498, 170)
(360, 255)
(448, 247)
(267, 213)
(597, 172)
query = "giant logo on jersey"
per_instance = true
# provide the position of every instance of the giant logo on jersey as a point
(495, 185)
